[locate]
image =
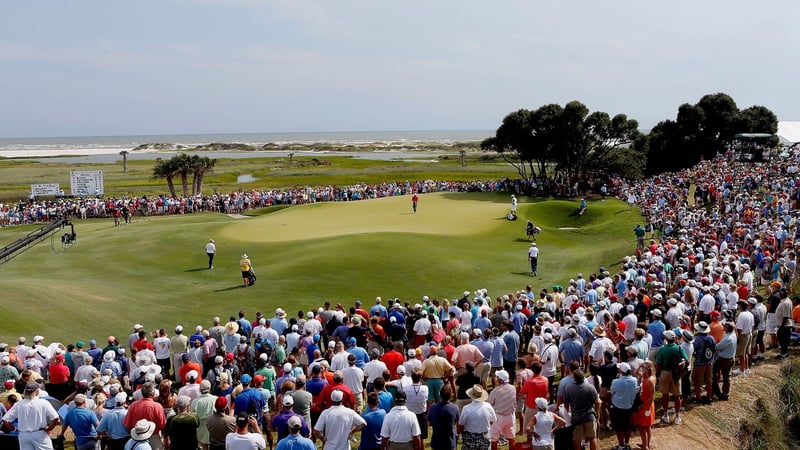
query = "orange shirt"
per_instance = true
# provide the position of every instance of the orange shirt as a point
(796, 315)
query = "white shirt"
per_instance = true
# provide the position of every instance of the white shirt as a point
(422, 326)
(312, 326)
(162, 344)
(477, 417)
(335, 424)
(400, 425)
(339, 361)
(353, 377)
(707, 303)
(374, 369)
(32, 414)
(417, 398)
(745, 322)
(249, 441)
(599, 346)
(211, 248)
(533, 252)
(549, 359)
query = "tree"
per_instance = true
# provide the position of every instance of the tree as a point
(513, 140)
(703, 130)
(200, 165)
(166, 169)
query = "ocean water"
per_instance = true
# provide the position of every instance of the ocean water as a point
(190, 140)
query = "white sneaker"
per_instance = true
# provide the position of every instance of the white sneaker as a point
(747, 371)
(665, 418)
(678, 420)
(736, 373)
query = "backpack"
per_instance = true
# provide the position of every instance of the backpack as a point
(243, 360)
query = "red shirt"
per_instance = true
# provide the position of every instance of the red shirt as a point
(142, 344)
(349, 400)
(392, 359)
(59, 373)
(145, 408)
(536, 387)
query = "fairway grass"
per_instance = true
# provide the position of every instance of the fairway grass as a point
(154, 271)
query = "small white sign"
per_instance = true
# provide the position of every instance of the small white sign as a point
(86, 182)
(45, 189)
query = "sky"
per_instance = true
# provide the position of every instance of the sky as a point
(103, 68)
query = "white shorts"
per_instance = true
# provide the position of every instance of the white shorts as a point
(771, 325)
(503, 426)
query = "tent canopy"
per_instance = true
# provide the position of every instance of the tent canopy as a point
(789, 132)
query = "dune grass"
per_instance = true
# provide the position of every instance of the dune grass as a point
(154, 271)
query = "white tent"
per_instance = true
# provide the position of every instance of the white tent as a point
(789, 132)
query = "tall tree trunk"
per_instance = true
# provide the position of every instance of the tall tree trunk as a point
(200, 176)
(185, 183)
(171, 186)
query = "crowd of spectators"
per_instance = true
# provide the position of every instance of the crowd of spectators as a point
(703, 299)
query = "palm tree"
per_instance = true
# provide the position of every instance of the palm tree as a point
(200, 165)
(183, 165)
(166, 169)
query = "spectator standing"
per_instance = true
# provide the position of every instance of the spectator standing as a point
(146, 408)
(667, 358)
(503, 400)
(623, 393)
(476, 420)
(374, 417)
(180, 432)
(220, 424)
(294, 441)
(337, 424)
(443, 417)
(111, 424)
(84, 424)
(400, 429)
(583, 402)
(243, 439)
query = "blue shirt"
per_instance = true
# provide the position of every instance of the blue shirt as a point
(623, 391)
(82, 421)
(380, 309)
(656, 331)
(485, 346)
(371, 434)
(385, 402)
(727, 346)
(112, 423)
(511, 339)
(443, 417)
(497, 353)
(250, 401)
(572, 350)
(296, 442)
(482, 323)
(280, 423)
(362, 358)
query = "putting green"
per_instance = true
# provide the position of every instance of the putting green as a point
(437, 213)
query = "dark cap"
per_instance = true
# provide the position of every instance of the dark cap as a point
(31, 387)
(242, 418)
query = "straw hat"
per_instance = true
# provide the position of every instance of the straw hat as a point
(477, 393)
(143, 430)
(599, 330)
(231, 327)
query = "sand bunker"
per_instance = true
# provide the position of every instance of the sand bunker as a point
(567, 228)
(436, 214)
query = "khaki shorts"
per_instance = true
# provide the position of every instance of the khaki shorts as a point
(584, 431)
(743, 344)
(482, 371)
(667, 385)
